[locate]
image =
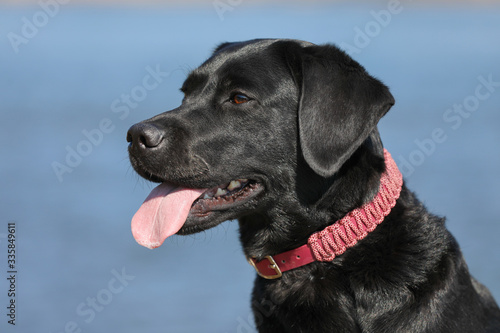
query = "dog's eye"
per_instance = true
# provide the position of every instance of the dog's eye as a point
(239, 99)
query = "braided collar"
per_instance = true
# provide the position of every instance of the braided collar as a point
(335, 239)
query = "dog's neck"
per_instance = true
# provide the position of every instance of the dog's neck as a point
(279, 229)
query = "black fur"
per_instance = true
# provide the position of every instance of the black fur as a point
(308, 137)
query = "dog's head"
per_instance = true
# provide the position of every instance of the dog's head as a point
(254, 116)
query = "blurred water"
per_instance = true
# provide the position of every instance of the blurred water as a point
(73, 236)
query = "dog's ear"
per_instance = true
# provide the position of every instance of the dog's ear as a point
(340, 104)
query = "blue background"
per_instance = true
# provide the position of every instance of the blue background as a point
(73, 236)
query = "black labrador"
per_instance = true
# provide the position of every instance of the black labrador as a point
(282, 135)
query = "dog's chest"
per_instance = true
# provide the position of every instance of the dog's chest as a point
(312, 304)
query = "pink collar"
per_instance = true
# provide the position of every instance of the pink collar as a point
(335, 239)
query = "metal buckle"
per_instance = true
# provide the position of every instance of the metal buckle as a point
(272, 265)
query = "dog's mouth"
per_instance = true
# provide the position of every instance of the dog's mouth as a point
(223, 197)
(168, 207)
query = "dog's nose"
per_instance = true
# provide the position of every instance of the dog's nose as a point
(143, 135)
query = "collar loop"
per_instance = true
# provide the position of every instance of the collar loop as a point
(335, 239)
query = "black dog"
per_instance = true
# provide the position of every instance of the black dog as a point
(282, 135)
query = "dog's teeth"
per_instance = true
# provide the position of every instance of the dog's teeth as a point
(220, 192)
(244, 180)
(233, 185)
(206, 196)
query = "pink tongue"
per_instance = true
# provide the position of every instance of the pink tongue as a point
(162, 214)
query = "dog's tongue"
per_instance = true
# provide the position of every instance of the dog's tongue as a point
(162, 214)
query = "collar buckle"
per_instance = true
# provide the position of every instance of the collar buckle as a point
(266, 267)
